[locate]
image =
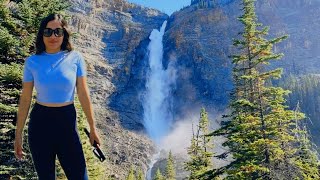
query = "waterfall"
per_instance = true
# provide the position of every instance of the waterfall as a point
(156, 100)
(157, 116)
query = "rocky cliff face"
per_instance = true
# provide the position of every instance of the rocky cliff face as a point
(109, 32)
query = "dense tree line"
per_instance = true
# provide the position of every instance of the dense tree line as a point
(19, 21)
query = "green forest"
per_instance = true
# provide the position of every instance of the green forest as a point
(304, 95)
(270, 129)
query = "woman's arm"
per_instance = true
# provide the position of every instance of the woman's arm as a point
(84, 98)
(23, 109)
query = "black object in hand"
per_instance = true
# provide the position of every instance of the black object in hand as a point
(97, 151)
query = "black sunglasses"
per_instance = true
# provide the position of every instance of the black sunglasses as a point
(47, 32)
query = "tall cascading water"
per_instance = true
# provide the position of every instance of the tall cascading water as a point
(156, 99)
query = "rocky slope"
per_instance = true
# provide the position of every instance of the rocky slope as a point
(107, 34)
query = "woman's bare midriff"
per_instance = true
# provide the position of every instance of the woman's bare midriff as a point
(55, 104)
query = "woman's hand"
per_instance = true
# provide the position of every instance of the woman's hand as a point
(94, 137)
(18, 147)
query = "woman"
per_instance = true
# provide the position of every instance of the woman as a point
(55, 71)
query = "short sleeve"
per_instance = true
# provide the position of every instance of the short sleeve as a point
(27, 74)
(81, 66)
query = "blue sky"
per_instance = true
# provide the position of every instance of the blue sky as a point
(166, 6)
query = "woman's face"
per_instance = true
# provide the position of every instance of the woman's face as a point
(53, 42)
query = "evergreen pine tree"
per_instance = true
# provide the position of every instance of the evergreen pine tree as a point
(170, 169)
(260, 134)
(131, 175)
(158, 175)
(200, 150)
(9, 34)
(140, 175)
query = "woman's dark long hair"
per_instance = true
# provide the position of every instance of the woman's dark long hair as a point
(66, 45)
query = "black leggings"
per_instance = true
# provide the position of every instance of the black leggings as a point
(53, 132)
